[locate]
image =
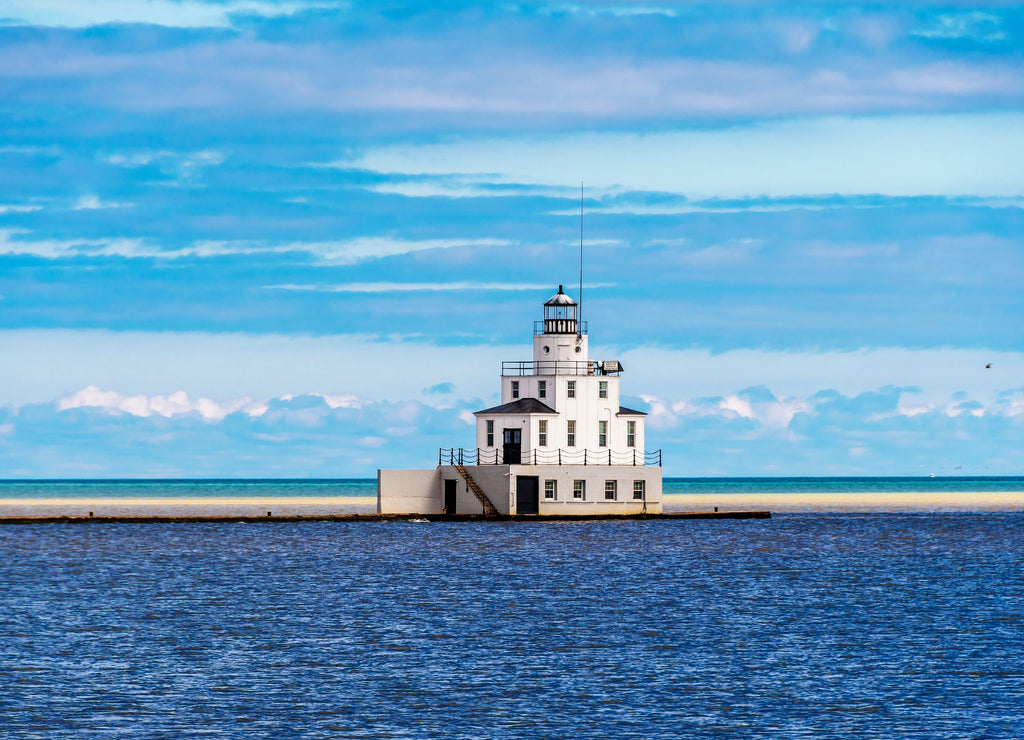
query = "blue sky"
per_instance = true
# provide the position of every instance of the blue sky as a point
(297, 238)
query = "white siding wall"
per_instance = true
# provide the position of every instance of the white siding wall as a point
(586, 409)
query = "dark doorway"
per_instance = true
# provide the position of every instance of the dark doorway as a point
(513, 446)
(450, 494)
(527, 494)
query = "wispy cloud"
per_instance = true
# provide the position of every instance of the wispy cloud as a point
(17, 241)
(939, 155)
(8, 208)
(974, 25)
(92, 202)
(174, 13)
(392, 287)
(655, 70)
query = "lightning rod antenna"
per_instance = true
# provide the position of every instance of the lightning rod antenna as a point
(579, 310)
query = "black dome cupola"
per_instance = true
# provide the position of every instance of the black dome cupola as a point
(560, 314)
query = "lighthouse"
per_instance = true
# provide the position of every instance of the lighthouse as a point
(559, 443)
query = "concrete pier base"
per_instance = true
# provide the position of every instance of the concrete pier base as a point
(199, 518)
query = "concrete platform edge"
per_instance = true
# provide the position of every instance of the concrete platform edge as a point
(383, 518)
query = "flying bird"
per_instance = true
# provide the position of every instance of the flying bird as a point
(988, 366)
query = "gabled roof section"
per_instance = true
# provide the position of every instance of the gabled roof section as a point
(623, 411)
(520, 406)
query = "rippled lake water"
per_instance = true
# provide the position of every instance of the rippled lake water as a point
(868, 626)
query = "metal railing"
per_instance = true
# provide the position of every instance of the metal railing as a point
(550, 367)
(547, 456)
(559, 326)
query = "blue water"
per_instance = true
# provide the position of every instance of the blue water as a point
(368, 486)
(866, 626)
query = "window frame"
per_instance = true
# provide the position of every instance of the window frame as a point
(579, 490)
(611, 487)
(639, 490)
(551, 490)
(542, 432)
(570, 433)
(515, 389)
(542, 389)
(490, 432)
(602, 389)
(570, 389)
(602, 433)
(630, 433)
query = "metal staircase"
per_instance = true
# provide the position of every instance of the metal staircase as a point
(473, 486)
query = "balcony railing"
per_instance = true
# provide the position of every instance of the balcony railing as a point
(547, 456)
(550, 367)
(559, 326)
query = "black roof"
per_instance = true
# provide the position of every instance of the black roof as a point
(623, 411)
(559, 299)
(520, 406)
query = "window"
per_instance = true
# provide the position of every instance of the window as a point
(515, 389)
(542, 389)
(571, 387)
(639, 490)
(551, 489)
(609, 490)
(630, 434)
(602, 434)
(490, 433)
(542, 429)
(602, 389)
(579, 489)
(570, 436)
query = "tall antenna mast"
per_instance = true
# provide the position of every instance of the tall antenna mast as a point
(579, 310)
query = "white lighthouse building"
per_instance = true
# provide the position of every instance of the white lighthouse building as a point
(558, 444)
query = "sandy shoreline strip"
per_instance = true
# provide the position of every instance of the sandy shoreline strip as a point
(184, 507)
(681, 502)
(849, 502)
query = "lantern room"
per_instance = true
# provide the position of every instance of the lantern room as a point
(560, 314)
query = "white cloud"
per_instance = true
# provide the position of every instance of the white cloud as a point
(92, 202)
(40, 365)
(174, 404)
(618, 11)
(12, 242)
(770, 414)
(391, 287)
(178, 403)
(15, 241)
(341, 401)
(900, 155)
(455, 187)
(357, 250)
(976, 25)
(18, 208)
(939, 373)
(174, 13)
(181, 165)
